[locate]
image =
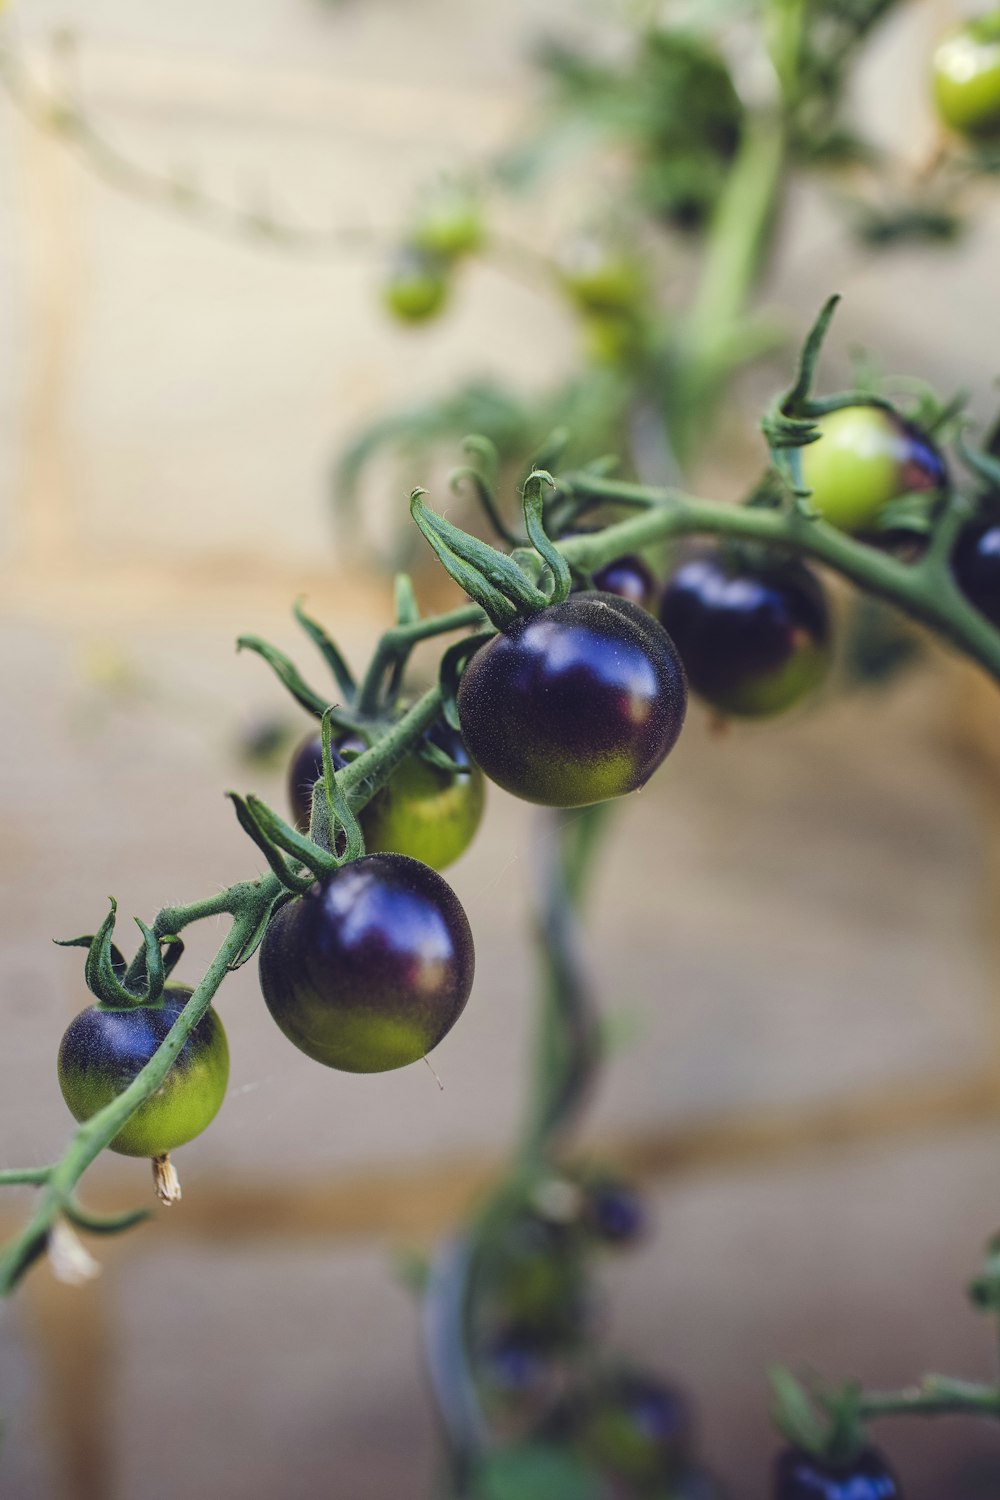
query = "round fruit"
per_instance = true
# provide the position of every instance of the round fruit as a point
(864, 458)
(755, 640)
(425, 811)
(637, 1427)
(417, 288)
(103, 1050)
(371, 967)
(576, 704)
(603, 281)
(615, 1212)
(967, 78)
(976, 566)
(800, 1476)
(628, 578)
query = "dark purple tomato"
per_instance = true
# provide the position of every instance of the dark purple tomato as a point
(976, 565)
(638, 1428)
(754, 640)
(576, 704)
(615, 1212)
(371, 967)
(628, 578)
(516, 1362)
(103, 1050)
(800, 1476)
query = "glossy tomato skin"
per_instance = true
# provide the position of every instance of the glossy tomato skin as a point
(103, 1050)
(371, 967)
(576, 704)
(864, 458)
(754, 641)
(427, 812)
(800, 1476)
(976, 566)
(967, 78)
(628, 578)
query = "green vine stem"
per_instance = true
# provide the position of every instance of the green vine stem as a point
(924, 590)
(249, 903)
(935, 1396)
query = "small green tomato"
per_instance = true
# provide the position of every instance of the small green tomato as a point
(449, 226)
(417, 288)
(967, 78)
(864, 458)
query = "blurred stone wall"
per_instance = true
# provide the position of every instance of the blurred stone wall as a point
(796, 925)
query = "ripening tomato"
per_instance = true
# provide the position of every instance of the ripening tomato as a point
(754, 640)
(864, 458)
(801, 1476)
(637, 1427)
(576, 704)
(105, 1047)
(372, 967)
(426, 811)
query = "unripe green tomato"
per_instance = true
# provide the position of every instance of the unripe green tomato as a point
(425, 811)
(864, 458)
(449, 227)
(602, 281)
(967, 78)
(417, 288)
(105, 1047)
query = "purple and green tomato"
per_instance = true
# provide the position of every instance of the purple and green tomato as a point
(372, 967)
(864, 458)
(575, 704)
(105, 1047)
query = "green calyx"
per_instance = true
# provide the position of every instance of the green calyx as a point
(119, 986)
(499, 582)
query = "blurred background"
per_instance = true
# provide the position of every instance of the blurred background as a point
(794, 930)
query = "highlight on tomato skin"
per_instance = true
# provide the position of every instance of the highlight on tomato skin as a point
(864, 458)
(802, 1476)
(371, 968)
(975, 564)
(576, 704)
(426, 811)
(754, 640)
(104, 1048)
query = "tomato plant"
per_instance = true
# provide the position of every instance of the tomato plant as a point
(576, 704)
(754, 639)
(105, 1047)
(370, 968)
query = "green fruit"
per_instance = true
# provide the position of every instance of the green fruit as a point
(864, 458)
(967, 78)
(417, 288)
(449, 226)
